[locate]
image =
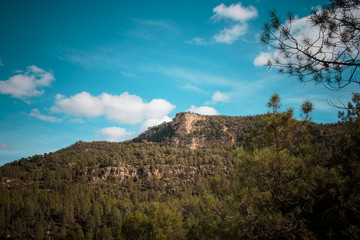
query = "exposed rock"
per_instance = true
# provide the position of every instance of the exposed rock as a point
(185, 122)
(197, 131)
(154, 171)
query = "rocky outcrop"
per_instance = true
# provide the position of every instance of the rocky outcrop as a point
(198, 131)
(155, 171)
(185, 123)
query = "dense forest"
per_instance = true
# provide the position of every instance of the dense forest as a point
(283, 179)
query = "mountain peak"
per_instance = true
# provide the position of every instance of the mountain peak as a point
(195, 131)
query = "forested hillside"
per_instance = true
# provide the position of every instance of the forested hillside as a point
(100, 189)
(282, 178)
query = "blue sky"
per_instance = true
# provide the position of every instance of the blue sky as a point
(91, 70)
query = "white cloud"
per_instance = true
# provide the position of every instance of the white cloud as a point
(235, 12)
(114, 134)
(158, 108)
(81, 104)
(229, 35)
(123, 108)
(262, 59)
(153, 122)
(203, 110)
(220, 97)
(5, 146)
(27, 84)
(36, 113)
(236, 17)
(1, 63)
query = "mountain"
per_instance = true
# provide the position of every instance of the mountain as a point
(198, 131)
(167, 183)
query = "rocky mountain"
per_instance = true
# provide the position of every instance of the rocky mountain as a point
(198, 131)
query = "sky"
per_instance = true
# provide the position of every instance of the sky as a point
(108, 70)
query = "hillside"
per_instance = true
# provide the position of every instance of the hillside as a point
(174, 181)
(90, 185)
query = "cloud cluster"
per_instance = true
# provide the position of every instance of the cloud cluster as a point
(27, 84)
(123, 109)
(203, 110)
(236, 16)
(114, 134)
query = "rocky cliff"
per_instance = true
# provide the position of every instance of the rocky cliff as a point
(197, 131)
(164, 172)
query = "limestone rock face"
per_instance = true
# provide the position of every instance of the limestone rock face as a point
(198, 131)
(155, 171)
(185, 123)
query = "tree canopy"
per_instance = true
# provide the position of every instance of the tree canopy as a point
(323, 47)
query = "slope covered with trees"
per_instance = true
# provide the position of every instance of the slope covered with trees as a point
(104, 190)
(284, 179)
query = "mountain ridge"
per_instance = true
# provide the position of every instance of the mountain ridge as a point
(194, 131)
(197, 131)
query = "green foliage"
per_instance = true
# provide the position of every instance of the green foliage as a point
(274, 103)
(331, 58)
(306, 108)
(280, 193)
